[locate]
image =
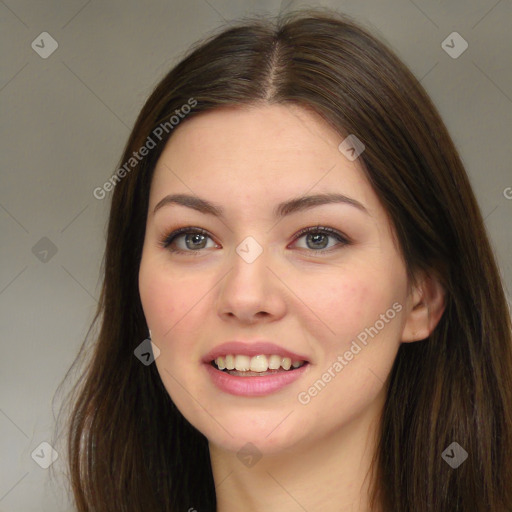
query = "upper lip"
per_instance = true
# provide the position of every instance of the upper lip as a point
(250, 349)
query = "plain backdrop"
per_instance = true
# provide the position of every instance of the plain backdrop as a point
(65, 119)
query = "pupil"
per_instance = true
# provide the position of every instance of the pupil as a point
(198, 235)
(315, 238)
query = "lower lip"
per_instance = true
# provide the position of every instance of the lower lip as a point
(253, 386)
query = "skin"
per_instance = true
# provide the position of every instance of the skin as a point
(313, 455)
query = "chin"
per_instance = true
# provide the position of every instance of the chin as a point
(268, 437)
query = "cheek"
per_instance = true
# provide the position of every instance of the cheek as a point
(356, 360)
(164, 299)
(154, 295)
(349, 301)
(174, 304)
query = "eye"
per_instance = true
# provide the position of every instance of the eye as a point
(194, 239)
(317, 238)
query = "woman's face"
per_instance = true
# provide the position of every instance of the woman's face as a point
(253, 279)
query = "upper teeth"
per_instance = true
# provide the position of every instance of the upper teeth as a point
(260, 363)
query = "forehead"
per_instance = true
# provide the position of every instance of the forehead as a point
(265, 148)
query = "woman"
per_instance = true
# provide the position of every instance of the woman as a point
(293, 227)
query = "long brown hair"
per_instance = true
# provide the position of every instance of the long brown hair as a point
(129, 447)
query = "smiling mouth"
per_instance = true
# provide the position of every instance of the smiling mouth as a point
(256, 366)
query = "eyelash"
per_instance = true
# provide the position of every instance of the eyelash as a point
(171, 237)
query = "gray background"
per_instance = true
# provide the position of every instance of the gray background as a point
(66, 118)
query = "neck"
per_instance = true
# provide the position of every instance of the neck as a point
(331, 474)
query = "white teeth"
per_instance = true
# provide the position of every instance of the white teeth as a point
(242, 363)
(286, 363)
(274, 362)
(230, 362)
(260, 363)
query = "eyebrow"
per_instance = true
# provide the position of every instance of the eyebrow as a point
(282, 209)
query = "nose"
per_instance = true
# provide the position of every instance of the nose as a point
(251, 291)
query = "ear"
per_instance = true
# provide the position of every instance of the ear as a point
(426, 306)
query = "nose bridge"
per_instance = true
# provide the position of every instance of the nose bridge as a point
(249, 287)
(249, 250)
(249, 267)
